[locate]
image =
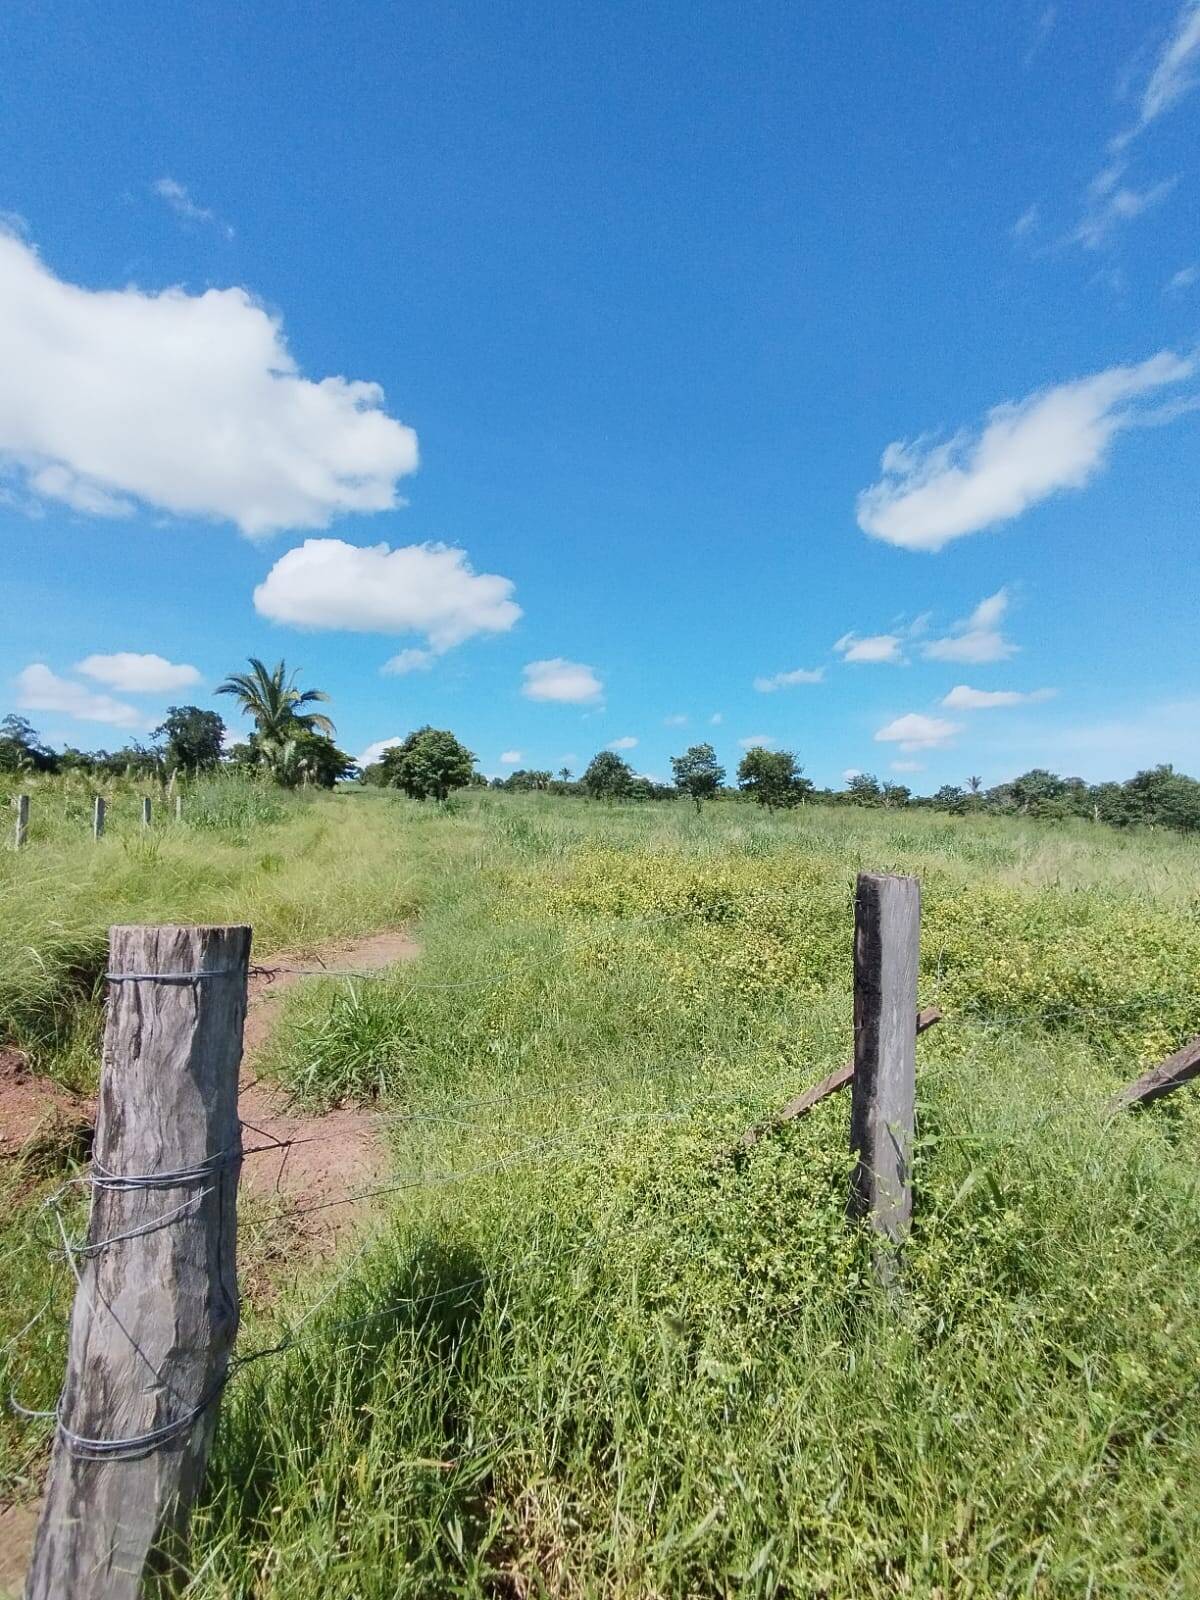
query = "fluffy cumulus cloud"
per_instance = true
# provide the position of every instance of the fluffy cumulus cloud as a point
(757, 741)
(918, 732)
(789, 680)
(568, 682)
(39, 689)
(191, 404)
(977, 638)
(429, 589)
(373, 752)
(875, 647)
(137, 674)
(511, 758)
(627, 742)
(963, 698)
(1027, 450)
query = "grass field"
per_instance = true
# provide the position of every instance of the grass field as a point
(611, 1368)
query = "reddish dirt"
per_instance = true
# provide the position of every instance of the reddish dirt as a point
(40, 1122)
(344, 1152)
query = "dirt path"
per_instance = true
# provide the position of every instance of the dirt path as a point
(345, 1152)
(51, 1126)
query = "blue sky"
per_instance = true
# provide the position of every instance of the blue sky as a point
(822, 373)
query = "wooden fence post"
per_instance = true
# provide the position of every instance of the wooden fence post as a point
(157, 1306)
(21, 830)
(146, 811)
(98, 809)
(887, 931)
(178, 808)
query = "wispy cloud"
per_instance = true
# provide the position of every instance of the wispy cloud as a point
(374, 751)
(511, 758)
(757, 741)
(677, 720)
(964, 698)
(406, 661)
(181, 203)
(875, 647)
(1181, 280)
(1027, 450)
(1110, 203)
(976, 638)
(626, 742)
(1026, 222)
(789, 680)
(1175, 72)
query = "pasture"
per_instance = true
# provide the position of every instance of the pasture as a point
(574, 1354)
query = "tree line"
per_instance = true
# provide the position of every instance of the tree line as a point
(294, 744)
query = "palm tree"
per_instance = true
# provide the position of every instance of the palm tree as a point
(274, 701)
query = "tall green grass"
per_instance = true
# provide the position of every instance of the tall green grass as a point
(576, 1357)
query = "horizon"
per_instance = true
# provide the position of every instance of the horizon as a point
(658, 379)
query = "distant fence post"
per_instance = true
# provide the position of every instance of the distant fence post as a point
(98, 809)
(21, 830)
(146, 811)
(887, 932)
(157, 1306)
(178, 808)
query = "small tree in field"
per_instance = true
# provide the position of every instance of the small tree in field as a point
(193, 738)
(698, 773)
(608, 777)
(773, 778)
(428, 765)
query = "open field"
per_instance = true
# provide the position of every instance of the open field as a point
(611, 1367)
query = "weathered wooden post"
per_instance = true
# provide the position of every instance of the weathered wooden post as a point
(146, 811)
(21, 830)
(157, 1306)
(99, 806)
(178, 808)
(887, 932)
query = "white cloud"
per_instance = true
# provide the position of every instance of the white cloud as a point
(679, 720)
(918, 732)
(191, 404)
(976, 638)
(1175, 72)
(757, 741)
(408, 661)
(1026, 222)
(135, 674)
(876, 647)
(39, 689)
(182, 204)
(1054, 439)
(418, 588)
(1183, 279)
(1110, 203)
(717, 718)
(556, 679)
(511, 758)
(628, 742)
(851, 772)
(908, 766)
(373, 752)
(963, 698)
(788, 680)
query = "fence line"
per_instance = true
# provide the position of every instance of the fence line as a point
(128, 1458)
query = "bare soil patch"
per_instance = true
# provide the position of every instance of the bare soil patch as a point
(41, 1124)
(333, 1154)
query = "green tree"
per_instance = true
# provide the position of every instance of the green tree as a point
(193, 738)
(864, 789)
(21, 749)
(608, 777)
(272, 698)
(698, 773)
(772, 778)
(429, 765)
